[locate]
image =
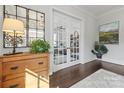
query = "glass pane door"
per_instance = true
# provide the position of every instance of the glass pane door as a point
(74, 46)
(66, 41)
(60, 51)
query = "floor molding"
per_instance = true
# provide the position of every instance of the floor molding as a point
(116, 68)
(67, 77)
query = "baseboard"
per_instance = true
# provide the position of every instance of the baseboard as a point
(113, 67)
(114, 61)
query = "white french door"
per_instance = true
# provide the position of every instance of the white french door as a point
(66, 38)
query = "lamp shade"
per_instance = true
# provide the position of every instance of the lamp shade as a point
(10, 25)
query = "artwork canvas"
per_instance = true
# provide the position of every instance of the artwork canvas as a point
(109, 33)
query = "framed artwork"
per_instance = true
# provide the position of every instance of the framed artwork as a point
(109, 33)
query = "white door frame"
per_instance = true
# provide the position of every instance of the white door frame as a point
(52, 16)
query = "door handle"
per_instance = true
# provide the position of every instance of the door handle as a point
(68, 47)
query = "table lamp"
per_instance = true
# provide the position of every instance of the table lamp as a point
(14, 27)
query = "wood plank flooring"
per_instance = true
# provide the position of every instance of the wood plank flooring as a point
(69, 76)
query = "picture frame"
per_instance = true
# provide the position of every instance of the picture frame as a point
(109, 33)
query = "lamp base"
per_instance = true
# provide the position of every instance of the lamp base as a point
(12, 53)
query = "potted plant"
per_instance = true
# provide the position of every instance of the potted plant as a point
(39, 46)
(99, 50)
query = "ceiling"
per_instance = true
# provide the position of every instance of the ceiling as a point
(99, 9)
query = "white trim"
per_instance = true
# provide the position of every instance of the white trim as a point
(68, 14)
(51, 55)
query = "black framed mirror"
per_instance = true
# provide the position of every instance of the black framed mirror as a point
(34, 23)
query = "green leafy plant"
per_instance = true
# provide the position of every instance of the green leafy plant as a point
(99, 50)
(39, 46)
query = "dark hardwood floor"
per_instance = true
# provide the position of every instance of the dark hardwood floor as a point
(66, 77)
(69, 76)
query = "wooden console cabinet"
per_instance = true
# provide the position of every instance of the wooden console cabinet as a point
(0, 74)
(25, 70)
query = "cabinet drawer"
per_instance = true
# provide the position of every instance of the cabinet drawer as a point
(30, 80)
(0, 85)
(37, 63)
(0, 71)
(21, 66)
(12, 76)
(13, 67)
(14, 83)
(8, 77)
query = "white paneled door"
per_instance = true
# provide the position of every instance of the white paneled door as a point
(66, 38)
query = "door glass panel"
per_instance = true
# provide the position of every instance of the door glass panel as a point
(66, 40)
(74, 46)
(60, 50)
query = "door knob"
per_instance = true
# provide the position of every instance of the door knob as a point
(68, 47)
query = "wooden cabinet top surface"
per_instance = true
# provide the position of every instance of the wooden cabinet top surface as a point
(23, 56)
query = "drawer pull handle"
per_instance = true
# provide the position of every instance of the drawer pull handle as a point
(42, 76)
(13, 86)
(14, 68)
(40, 63)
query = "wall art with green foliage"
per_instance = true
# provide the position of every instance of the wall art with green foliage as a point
(109, 33)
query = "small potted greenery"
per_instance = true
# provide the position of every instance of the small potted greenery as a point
(99, 50)
(39, 46)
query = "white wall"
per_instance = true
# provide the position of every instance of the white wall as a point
(88, 31)
(116, 52)
(90, 36)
